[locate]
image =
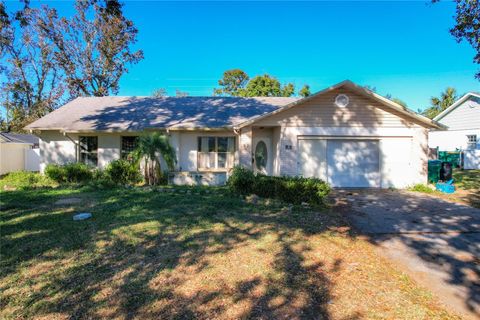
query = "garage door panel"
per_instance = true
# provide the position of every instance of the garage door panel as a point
(313, 158)
(353, 163)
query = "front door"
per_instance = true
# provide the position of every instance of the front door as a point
(262, 155)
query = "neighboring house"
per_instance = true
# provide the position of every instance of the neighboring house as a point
(462, 122)
(344, 134)
(18, 152)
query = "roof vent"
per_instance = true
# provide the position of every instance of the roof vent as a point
(342, 100)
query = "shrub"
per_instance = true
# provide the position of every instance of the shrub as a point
(71, 172)
(26, 180)
(241, 181)
(123, 172)
(289, 189)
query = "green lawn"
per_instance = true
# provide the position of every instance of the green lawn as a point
(150, 254)
(467, 179)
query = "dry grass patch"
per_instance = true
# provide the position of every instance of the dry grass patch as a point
(169, 256)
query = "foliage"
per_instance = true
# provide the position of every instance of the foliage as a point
(421, 188)
(26, 180)
(42, 55)
(159, 93)
(237, 83)
(267, 86)
(149, 148)
(33, 86)
(305, 91)
(468, 25)
(233, 83)
(92, 48)
(241, 180)
(123, 172)
(289, 189)
(69, 173)
(446, 99)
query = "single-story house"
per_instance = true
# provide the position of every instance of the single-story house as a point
(345, 134)
(462, 122)
(18, 152)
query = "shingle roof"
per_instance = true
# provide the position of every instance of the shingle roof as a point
(139, 113)
(10, 137)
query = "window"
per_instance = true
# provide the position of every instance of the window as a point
(216, 152)
(88, 150)
(128, 145)
(471, 141)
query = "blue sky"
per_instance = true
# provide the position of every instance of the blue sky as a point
(401, 48)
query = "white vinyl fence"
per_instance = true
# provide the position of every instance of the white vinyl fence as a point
(32, 159)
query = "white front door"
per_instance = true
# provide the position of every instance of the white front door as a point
(262, 155)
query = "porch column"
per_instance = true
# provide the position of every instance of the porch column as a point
(245, 147)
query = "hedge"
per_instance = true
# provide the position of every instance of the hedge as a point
(289, 189)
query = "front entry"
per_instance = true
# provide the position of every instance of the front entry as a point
(262, 155)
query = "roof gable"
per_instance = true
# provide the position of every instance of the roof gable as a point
(382, 102)
(456, 104)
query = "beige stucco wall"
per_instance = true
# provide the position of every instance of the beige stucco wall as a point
(12, 157)
(58, 148)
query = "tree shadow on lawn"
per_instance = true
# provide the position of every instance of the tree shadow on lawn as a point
(144, 253)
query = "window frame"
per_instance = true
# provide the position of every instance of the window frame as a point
(472, 140)
(123, 153)
(215, 153)
(84, 151)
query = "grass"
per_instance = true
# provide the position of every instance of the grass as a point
(467, 184)
(25, 180)
(195, 253)
(467, 179)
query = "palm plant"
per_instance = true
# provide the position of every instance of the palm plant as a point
(446, 99)
(149, 148)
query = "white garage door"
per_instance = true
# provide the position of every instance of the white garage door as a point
(353, 163)
(343, 163)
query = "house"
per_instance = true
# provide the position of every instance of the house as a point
(345, 134)
(462, 120)
(18, 152)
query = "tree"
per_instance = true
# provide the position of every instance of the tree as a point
(446, 99)
(288, 90)
(267, 86)
(159, 93)
(93, 48)
(150, 147)
(305, 91)
(33, 85)
(233, 83)
(468, 25)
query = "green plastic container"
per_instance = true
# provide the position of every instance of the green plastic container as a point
(453, 157)
(434, 167)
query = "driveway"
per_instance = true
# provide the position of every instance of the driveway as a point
(436, 242)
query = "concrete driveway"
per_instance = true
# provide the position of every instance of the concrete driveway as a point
(436, 242)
